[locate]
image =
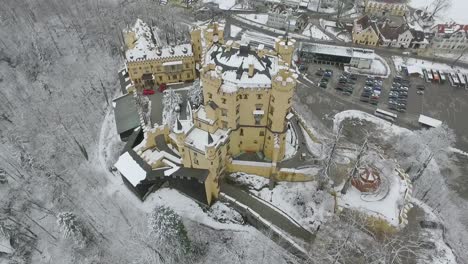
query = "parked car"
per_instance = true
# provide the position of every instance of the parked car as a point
(162, 87)
(323, 85)
(420, 87)
(148, 92)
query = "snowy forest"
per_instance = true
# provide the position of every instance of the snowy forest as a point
(61, 200)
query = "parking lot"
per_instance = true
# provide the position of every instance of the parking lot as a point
(352, 88)
(440, 100)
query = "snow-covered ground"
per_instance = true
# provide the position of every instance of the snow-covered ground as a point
(250, 181)
(258, 18)
(344, 36)
(441, 254)
(456, 11)
(315, 33)
(223, 4)
(417, 65)
(301, 201)
(454, 56)
(313, 4)
(380, 123)
(291, 143)
(332, 28)
(235, 30)
(379, 68)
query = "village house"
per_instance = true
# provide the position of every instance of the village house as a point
(365, 32)
(385, 7)
(450, 36)
(281, 18)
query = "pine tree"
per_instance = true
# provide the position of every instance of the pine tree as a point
(71, 228)
(168, 231)
(195, 94)
(171, 101)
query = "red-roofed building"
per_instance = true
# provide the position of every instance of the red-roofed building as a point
(450, 36)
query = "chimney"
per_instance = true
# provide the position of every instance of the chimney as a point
(251, 69)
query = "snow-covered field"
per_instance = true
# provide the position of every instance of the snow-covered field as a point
(315, 33)
(417, 65)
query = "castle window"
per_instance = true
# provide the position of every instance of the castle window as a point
(259, 96)
(272, 109)
(262, 133)
(258, 107)
(242, 132)
(195, 161)
(237, 109)
(160, 78)
(210, 95)
(223, 112)
(246, 96)
(223, 100)
(255, 142)
(174, 77)
(272, 99)
(289, 100)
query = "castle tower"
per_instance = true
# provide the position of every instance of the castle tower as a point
(282, 91)
(212, 80)
(180, 138)
(284, 46)
(212, 186)
(195, 36)
(214, 33)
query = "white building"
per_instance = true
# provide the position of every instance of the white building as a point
(336, 55)
(450, 37)
(281, 20)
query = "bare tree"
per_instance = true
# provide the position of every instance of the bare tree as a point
(459, 57)
(323, 176)
(420, 147)
(440, 6)
(340, 8)
(356, 166)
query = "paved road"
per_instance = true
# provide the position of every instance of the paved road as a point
(302, 157)
(265, 211)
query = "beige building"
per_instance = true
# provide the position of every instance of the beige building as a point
(386, 7)
(365, 32)
(150, 64)
(247, 102)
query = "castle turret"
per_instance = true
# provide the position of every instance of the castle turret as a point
(284, 46)
(197, 48)
(180, 138)
(283, 85)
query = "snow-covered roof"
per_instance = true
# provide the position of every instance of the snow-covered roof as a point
(339, 51)
(146, 47)
(201, 115)
(131, 170)
(429, 121)
(198, 138)
(233, 66)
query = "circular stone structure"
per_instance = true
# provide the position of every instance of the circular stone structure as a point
(368, 180)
